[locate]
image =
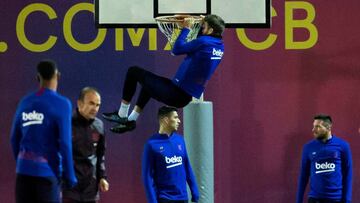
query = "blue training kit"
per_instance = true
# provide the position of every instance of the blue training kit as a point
(41, 136)
(203, 56)
(166, 169)
(329, 166)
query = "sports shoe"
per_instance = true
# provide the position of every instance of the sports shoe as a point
(114, 117)
(124, 127)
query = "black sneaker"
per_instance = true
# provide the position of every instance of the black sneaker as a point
(114, 117)
(124, 127)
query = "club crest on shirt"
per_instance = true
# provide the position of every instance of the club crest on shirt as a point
(161, 148)
(180, 147)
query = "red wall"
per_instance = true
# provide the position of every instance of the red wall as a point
(264, 100)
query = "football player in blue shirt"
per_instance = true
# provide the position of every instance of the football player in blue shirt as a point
(166, 167)
(41, 141)
(326, 160)
(203, 56)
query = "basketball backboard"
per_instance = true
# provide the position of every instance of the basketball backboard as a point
(141, 13)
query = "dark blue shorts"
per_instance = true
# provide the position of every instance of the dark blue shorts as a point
(314, 200)
(32, 189)
(171, 201)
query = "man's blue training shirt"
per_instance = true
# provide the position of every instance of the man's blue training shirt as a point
(203, 56)
(41, 136)
(329, 166)
(166, 169)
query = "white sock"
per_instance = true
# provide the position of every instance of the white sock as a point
(133, 116)
(124, 110)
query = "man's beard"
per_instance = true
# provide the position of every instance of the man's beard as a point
(321, 136)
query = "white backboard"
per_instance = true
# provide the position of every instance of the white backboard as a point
(141, 13)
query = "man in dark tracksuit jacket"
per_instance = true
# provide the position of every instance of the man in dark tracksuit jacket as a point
(88, 150)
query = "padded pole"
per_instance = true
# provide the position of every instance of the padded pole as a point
(198, 133)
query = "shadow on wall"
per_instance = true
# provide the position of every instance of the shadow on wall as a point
(247, 153)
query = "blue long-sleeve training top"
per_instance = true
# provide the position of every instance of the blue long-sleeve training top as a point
(329, 166)
(166, 169)
(203, 56)
(41, 136)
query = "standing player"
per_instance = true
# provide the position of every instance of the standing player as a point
(41, 141)
(203, 56)
(166, 166)
(88, 141)
(327, 161)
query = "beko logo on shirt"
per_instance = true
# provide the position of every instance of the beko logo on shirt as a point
(174, 161)
(324, 167)
(217, 53)
(32, 118)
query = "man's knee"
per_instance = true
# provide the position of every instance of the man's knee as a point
(136, 73)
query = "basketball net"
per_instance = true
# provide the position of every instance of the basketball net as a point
(170, 26)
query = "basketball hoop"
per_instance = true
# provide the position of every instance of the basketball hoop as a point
(171, 26)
